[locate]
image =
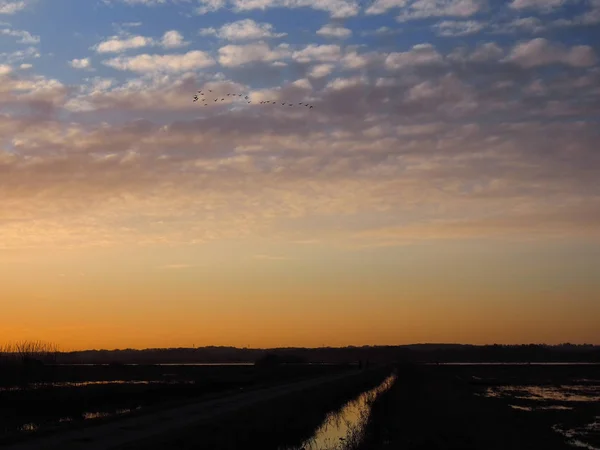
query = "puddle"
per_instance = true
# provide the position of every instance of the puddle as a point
(571, 393)
(33, 427)
(566, 398)
(89, 383)
(346, 423)
(29, 427)
(521, 408)
(100, 415)
(575, 436)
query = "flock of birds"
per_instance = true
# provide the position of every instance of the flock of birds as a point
(203, 96)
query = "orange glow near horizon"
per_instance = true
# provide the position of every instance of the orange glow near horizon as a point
(312, 297)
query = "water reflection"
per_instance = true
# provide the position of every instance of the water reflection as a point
(100, 415)
(345, 425)
(573, 393)
(575, 435)
(33, 427)
(566, 398)
(90, 383)
(29, 427)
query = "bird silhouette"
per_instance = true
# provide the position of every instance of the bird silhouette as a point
(246, 98)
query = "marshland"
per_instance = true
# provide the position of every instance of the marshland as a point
(389, 397)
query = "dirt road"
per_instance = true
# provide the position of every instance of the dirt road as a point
(135, 428)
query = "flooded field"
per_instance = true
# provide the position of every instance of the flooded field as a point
(66, 395)
(65, 384)
(543, 395)
(345, 425)
(568, 402)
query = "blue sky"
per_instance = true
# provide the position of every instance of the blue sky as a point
(437, 125)
(69, 30)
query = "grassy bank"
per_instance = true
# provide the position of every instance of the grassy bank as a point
(429, 409)
(274, 424)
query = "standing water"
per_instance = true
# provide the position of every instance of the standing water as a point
(346, 424)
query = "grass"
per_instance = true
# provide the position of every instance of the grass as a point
(23, 362)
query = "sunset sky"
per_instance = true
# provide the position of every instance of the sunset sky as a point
(444, 188)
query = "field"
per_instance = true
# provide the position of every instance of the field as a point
(429, 406)
(488, 407)
(67, 396)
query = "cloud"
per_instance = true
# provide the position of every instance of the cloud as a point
(169, 92)
(25, 37)
(117, 44)
(541, 52)
(12, 6)
(455, 183)
(339, 84)
(321, 53)
(43, 96)
(192, 60)
(419, 55)
(238, 55)
(459, 28)
(334, 31)
(20, 55)
(357, 61)
(424, 9)
(382, 6)
(338, 9)
(381, 31)
(80, 63)
(520, 25)
(404, 143)
(321, 70)
(173, 39)
(209, 6)
(243, 30)
(542, 6)
(138, 2)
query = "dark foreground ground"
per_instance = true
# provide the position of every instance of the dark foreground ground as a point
(429, 407)
(446, 407)
(268, 418)
(65, 396)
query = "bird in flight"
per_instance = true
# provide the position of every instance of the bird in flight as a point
(246, 98)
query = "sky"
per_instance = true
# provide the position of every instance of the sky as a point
(444, 186)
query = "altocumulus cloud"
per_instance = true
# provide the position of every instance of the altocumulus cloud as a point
(409, 139)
